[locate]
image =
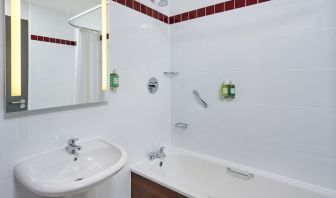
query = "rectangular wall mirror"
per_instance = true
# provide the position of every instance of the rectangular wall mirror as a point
(55, 53)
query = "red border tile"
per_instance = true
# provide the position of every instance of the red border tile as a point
(201, 12)
(129, 3)
(251, 2)
(33, 37)
(192, 14)
(229, 5)
(239, 3)
(210, 10)
(137, 6)
(219, 7)
(143, 9)
(185, 16)
(52, 40)
(121, 2)
(149, 11)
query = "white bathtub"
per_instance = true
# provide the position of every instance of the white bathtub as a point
(200, 176)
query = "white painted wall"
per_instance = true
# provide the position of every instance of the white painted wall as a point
(281, 55)
(139, 48)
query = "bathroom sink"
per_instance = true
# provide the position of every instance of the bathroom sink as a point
(57, 173)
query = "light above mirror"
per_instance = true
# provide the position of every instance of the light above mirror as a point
(104, 45)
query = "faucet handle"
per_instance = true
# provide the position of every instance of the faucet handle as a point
(162, 149)
(72, 141)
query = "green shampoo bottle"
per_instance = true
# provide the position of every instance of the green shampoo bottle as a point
(114, 80)
(225, 90)
(232, 91)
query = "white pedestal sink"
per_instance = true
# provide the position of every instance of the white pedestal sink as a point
(57, 173)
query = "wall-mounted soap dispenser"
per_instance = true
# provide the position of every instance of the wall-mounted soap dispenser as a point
(232, 91)
(225, 90)
(228, 90)
(114, 80)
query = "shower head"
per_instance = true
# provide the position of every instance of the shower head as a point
(163, 3)
(160, 3)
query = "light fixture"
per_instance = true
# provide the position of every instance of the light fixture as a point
(104, 45)
(15, 10)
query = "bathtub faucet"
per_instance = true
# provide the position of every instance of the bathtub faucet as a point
(157, 154)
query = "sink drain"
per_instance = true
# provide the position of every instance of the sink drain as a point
(79, 179)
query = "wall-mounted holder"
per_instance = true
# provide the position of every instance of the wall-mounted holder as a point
(170, 74)
(199, 99)
(153, 85)
(181, 125)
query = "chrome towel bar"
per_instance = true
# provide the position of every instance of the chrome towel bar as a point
(240, 174)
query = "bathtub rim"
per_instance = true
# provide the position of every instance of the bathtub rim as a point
(141, 168)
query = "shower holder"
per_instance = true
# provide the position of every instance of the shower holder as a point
(170, 73)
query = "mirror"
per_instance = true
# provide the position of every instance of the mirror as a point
(55, 53)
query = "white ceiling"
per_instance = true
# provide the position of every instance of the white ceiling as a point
(76, 6)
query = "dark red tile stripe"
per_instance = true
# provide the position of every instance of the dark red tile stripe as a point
(214, 9)
(52, 40)
(201, 12)
(137, 6)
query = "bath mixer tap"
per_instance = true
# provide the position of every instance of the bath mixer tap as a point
(72, 148)
(157, 154)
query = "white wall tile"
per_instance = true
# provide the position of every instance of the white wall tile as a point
(310, 88)
(231, 39)
(280, 55)
(302, 163)
(7, 189)
(283, 16)
(308, 127)
(9, 148)
(178, 7)
(300, 50)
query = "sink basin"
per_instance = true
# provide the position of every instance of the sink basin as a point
(57, 173)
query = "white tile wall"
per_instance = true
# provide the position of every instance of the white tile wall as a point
(281, 55)
(139, 50)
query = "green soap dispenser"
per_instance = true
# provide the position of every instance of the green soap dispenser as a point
(225, 90)
(232, 91)
(114, 80)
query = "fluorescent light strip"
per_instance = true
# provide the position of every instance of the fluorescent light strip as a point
(104, 45)
(15, 48)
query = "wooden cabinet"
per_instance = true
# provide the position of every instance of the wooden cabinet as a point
(144, 188)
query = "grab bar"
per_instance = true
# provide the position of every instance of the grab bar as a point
(203, 103)
(181, 125)
(239, 174)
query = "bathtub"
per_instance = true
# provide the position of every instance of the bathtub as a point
(200, 176)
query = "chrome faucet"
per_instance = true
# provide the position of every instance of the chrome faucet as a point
(157, 154)
(72, 148)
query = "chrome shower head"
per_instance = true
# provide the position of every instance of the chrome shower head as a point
(163, 3)
(160, 3)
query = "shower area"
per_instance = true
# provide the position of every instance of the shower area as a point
(278, 57)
